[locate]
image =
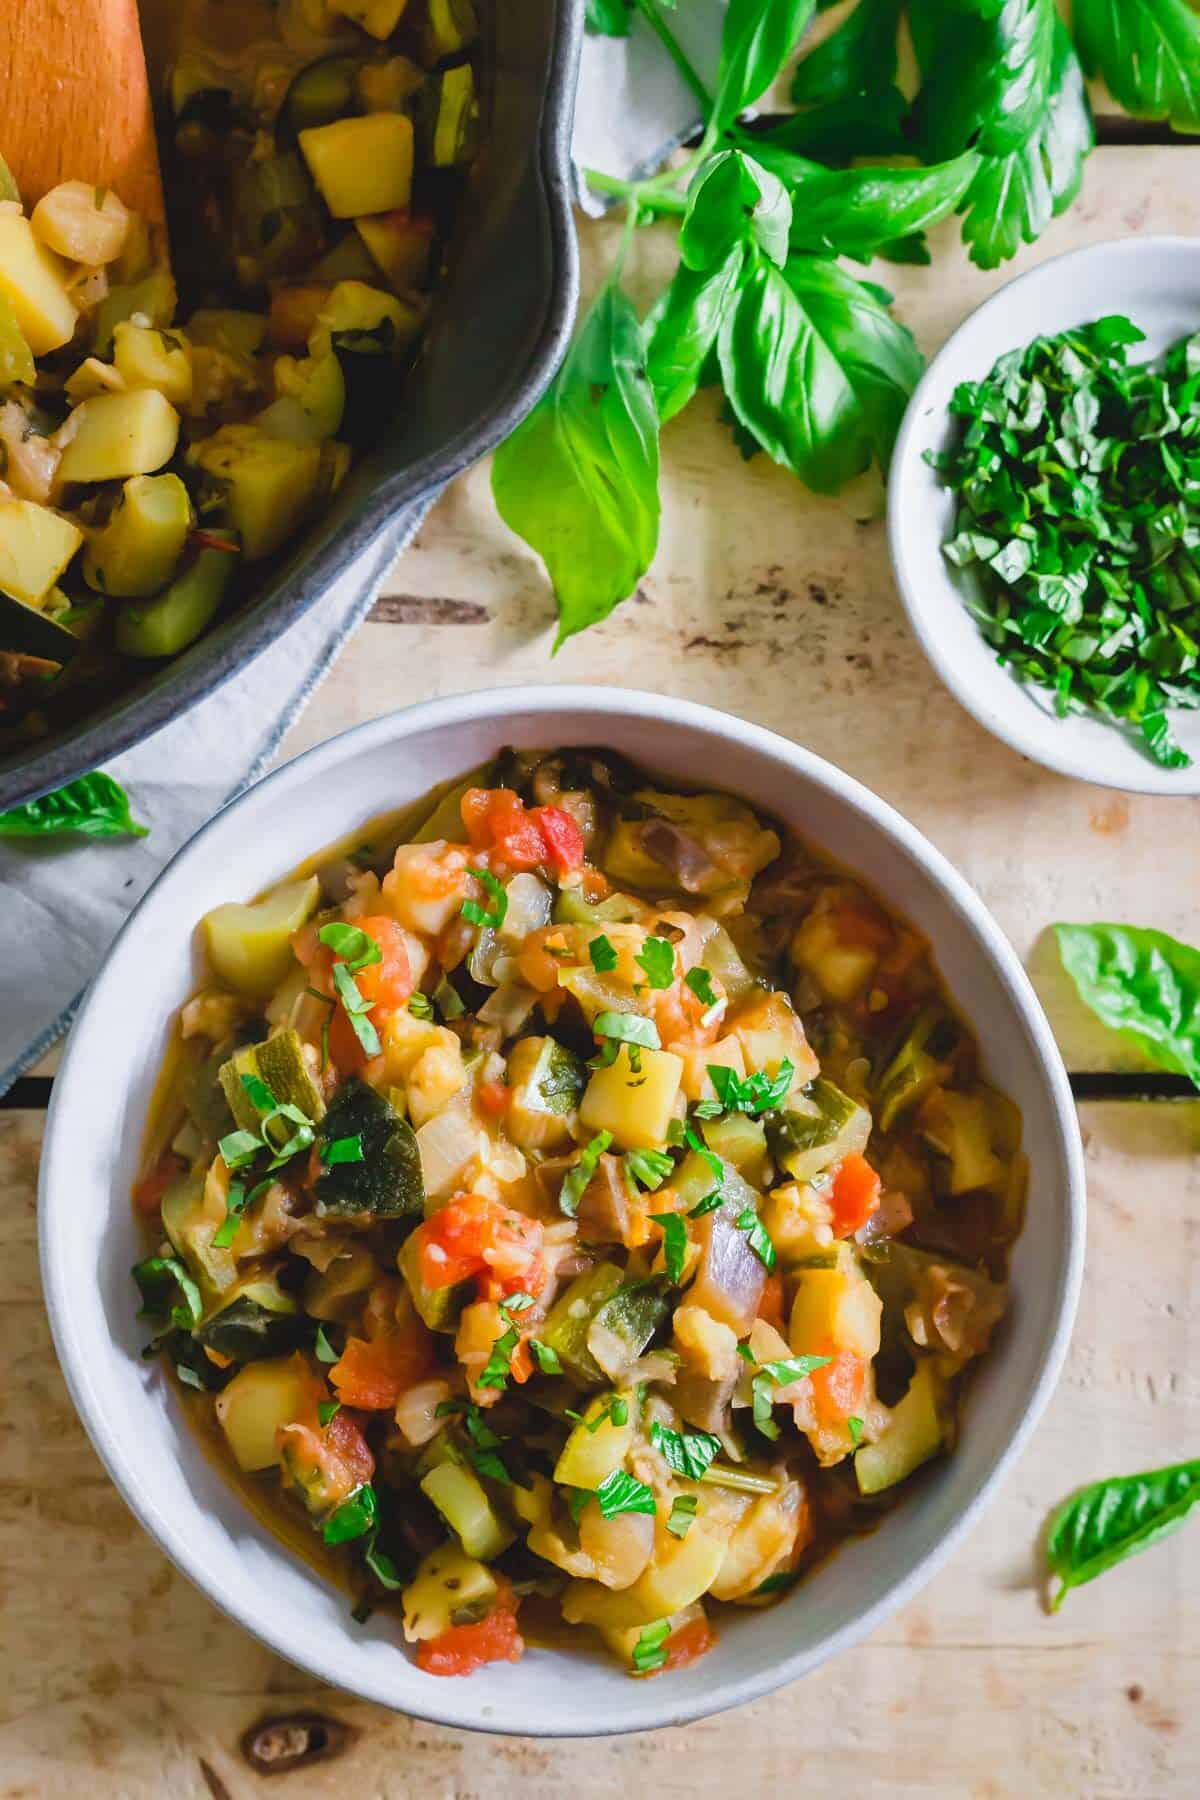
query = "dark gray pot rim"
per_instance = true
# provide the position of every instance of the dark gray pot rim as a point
(132, 719)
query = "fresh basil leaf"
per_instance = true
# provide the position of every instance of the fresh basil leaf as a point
(607, 18)
(708, 1204)
(158, 1279)
(602, 954)
(627, 1028)
(356, 1008)
(699, 980)
(753, 1094)
(355, 947)
(354, 1518)
(855, 1428)
(683, 328)
(854, 212)
(94, 806)
(1111, 1520)
(1148, 53)
(546, 1357)
(650, 1651)
(343, 1150)
(858, 58)
(656, 959)
(494, 915)
(1013, 197)
(620, 1492)
(759, 1239)
(498, 1367)
(1141, 983)
(683, 1511)
(733, 200)
(688, 1452)
(675, 1244)
(576, 1179)
(987, 78)
(238, 1148)
(757, 38)
(648, 1168)
(420, 1005)
(578, 479)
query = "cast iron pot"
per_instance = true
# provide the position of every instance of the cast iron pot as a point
(500, 326)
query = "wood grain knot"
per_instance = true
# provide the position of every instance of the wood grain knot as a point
(296, 1741)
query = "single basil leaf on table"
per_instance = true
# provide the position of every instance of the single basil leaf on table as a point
(1142, 983)
(1014, 197)
(987, 75)
(682, 328)
(757, 39)
(578, 479)
(93, 806)
(607, 18)
(1148, 52)
(852, 212)
(858, 58)
(1111, 1520)
(732, 199)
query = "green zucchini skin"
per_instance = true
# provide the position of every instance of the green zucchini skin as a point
(387, 1183)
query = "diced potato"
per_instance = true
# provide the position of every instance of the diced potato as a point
(379, 17)
(310, 398)
(153, 295)
(836, 1305)
(84, 223)
(135, 553)
(249, 946)
(839, 969)
(401, 245)
(34, 281)
(363, 319)
(114, 435)
(913, 1434)
(764, 1538)
(260, 1398)
(707, 1345)
(270, 483)
(92, 377)
(799, 1221)
(533, 1505)
(636, 1106)
(770, 1031)
(681, 1571)
(726, 1053)
(447, 1583)
(35, 547)
(588, 1456)
(146, 358)
(436, 1076)
(361, 165)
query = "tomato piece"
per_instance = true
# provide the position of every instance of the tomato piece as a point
(854, 1195)
(372, 1374)
(839, 1386)
(563, 839)
(687, 1644)
(859, 923)
(345, 1052)
(770, 1303)
(493, 1098)
(148, 1192)
(474, 1236)
(464, 1648)
(386, 984)
(327, 1463)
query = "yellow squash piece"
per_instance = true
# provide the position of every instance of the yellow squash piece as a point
(447, 1583)
(836, 1304)
(135, 553)
(114, 435)
(249, 946)
(593, 1452)
(34, 281)
(260, 1398)
(35, 547)
(361, 165)
(270, 483)
(636, 1106)
(914, 1433)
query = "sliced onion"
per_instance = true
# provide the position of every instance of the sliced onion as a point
(529, 906)
(447, 1144)
(508, 1007)
(416, 1411)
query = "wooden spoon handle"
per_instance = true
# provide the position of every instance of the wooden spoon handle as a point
(75, 101)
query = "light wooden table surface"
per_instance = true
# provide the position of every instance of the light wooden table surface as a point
(118, 1680)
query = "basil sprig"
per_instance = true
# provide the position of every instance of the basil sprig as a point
(94, 806)
(1144, 984)
(1109, 1521)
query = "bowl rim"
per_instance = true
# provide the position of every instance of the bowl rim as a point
(1069, 761)
(322, 762)
(125, 723)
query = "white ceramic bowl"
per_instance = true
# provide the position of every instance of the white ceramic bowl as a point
(88, 1236)
(1156, 283)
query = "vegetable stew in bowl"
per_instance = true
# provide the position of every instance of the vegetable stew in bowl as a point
(572, 1205)
(165, 434)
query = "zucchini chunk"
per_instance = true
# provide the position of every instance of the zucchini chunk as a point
(255, 1319)
(387, 1183)
(817, 1130)
(279, 1062)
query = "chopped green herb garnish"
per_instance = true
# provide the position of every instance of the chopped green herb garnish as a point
(322, 1348)
(778, 1584)
(650, 1651)
(688, 1452)
(708, 1204)
(357, 949)
(239, 1148)
(715, 1165)
(327, 1410)
(675, 1244)
(780, 1373)
(260, 1095)
(420, 1005)
(627, 1028)
(657, 958)
(343, 1150)
(353, 1518)
(749, 1222)
(546, 1357)
(356, 1008)
(498, 1367)
(683, 1511)
(604, 957)
(158, 1278)
(235, 1205)
(381, 1565)
(699, 980)
(577, 1499)
(621, 1492)
(855, 1428)
(576, 1179)
(482, 916)
(648, 1168)
(751, 1094)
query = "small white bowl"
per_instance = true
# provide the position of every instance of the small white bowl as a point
(1156, 283)
(88, 1239)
